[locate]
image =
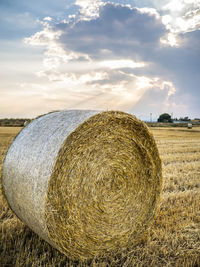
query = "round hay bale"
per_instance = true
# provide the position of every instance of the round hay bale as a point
(87, 182)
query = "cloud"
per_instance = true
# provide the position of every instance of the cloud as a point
(118, 57)
(88, 8)
(43, 37)
(116, 28)
(182, 15)
(47, 19)
(119, 64)
(91, 58)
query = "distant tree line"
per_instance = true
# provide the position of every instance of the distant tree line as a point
(13, 122)
(182, 119)
(165, 117)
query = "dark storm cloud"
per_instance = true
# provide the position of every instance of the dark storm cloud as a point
(118, 28)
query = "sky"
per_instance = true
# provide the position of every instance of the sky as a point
(138, 56)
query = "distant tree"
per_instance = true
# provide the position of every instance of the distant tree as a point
(165, 117)
(187, 119)
(184, 119)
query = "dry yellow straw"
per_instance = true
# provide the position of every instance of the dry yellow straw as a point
(87, 182)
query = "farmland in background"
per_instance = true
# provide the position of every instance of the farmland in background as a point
(173, 238)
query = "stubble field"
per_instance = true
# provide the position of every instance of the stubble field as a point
(173, 238)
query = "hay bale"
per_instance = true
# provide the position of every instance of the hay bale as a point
(87, 182)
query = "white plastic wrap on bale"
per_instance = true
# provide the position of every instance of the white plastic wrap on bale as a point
(25, 181)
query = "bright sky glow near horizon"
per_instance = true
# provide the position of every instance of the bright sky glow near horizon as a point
(137, 56)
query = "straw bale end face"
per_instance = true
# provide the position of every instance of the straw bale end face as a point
(99, 190)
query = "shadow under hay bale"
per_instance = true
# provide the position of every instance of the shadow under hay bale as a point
(87, 182)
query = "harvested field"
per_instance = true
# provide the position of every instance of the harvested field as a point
(172, 240)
